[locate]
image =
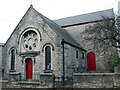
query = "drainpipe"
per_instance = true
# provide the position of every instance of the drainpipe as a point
(63, 61)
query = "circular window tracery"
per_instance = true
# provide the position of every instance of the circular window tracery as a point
(30, 40)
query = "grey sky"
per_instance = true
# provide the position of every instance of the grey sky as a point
(11, 11)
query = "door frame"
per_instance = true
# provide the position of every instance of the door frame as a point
(27, 70)
(24, 66)
(91, 61)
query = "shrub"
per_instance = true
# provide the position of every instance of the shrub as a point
(114, 61)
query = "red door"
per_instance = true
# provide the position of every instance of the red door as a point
(29, 68)
(91, 61)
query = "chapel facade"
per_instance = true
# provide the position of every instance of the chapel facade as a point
(38, 45)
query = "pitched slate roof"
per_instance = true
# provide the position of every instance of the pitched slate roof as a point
(60, 31)
(85, 18)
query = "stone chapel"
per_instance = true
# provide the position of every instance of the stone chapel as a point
(39, 49)
(38, 45)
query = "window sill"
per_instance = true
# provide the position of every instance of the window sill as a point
(14, 73)
(47, 71)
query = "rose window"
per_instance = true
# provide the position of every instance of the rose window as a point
(30, 40)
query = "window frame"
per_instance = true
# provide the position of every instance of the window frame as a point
(12, 53)
(77, 54)
(48, 56)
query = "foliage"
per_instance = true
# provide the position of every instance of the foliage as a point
(106, 32)
(114, 61)
(102, 34)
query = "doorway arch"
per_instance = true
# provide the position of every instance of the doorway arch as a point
(29, 68)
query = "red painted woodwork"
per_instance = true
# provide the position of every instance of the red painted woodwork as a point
(91, 61)
(29, 69)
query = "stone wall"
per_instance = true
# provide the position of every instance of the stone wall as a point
(1, 57)
(75, 60)
(93, 80)
(45, 81)
(79, 80)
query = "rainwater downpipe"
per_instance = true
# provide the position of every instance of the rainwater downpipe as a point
(63, 61)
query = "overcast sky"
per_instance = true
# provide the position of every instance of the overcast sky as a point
(11, 11)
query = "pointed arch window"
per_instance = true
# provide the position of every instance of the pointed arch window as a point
(12, 67)
(47, 58)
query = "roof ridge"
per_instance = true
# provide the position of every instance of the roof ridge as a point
(84, 14)
(85, 18)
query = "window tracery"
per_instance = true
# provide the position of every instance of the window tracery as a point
(30, 40)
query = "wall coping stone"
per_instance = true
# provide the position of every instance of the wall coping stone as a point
(1, 44)
(92, 74)
(28, 82)
(14, 73)
(3, 81)
(48, 74)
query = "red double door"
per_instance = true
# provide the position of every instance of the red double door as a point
(29, 68)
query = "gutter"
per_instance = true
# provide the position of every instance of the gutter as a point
(63, 61)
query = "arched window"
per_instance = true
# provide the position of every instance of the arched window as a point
(77, 54)
(29, 40)
(12, 67)
(47, 58)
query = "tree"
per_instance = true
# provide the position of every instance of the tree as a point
(104, 38)
(105, 33)
(117, 31)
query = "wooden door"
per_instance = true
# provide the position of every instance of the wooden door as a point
(29, 68)
(91, 61)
